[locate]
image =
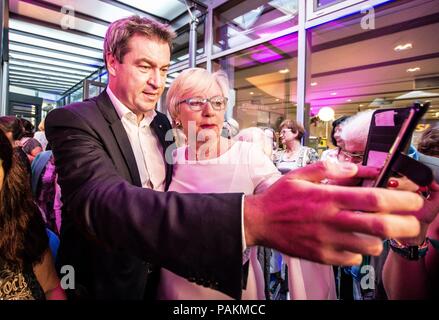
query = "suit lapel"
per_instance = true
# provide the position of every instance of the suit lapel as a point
(160, 128)
(120, 135)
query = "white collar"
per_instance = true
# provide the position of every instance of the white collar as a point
(123, 111)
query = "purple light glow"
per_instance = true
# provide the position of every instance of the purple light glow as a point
(264, 55)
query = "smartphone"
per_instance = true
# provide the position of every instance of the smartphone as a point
(390, 133)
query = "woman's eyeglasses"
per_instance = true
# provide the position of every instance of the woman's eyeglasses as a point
(346, 156)
(197, 103)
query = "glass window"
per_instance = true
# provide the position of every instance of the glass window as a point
(317, 8)
(104, 77)
(391, 64)
(180, 50)
(239, 22)
(262, 83)
(77, 95)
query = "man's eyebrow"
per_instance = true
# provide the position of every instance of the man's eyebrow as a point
(145, 60)
(150, 62)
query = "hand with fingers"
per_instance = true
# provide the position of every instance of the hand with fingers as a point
(429, 211)
(303, 218)
(405, 277)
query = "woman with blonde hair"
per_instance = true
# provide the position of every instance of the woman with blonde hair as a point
(210, 163)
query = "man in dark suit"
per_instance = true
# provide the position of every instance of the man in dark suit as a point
(119, 225)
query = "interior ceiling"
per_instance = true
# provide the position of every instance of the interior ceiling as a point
(351, 66)
(55, 44)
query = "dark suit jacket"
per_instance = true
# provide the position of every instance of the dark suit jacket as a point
(115, 233)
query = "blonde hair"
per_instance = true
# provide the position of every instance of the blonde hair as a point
(120, 32)
(191, 81)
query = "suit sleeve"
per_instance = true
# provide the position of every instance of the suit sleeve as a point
(197, 236)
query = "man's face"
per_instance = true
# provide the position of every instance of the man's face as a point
(139, 80)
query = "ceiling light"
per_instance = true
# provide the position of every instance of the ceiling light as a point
(413, 69)
(277, 100)
(252, 93)
(284, 71)
(403, 47)
(361, 105)
(333, 93)
(326, 114)
(313, 84)
(349, 100)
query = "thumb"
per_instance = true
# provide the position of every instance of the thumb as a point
(321, 170)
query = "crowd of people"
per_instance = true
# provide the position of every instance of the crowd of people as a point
(145, 209)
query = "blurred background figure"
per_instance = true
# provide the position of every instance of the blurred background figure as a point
(32, 147)
(353, 137)
(428, 148)
(46, 190)
(27, 269)
(262, 137)
(336, 140)
(15, 131)
(40, 135)
(230, 128)
(294, 155)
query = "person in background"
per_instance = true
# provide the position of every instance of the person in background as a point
(32, 148)
(294, 155)
(40, 135)
(259, 136)
(353, 137)
(15, 131)
(28, 128)
(27, 270)
(46, 190)
(337, 142)
(230, 128)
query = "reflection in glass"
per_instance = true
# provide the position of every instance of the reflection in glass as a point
(263, 83)
(245, 21)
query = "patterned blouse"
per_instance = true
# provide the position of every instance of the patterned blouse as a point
(305, 156)
(16, 284)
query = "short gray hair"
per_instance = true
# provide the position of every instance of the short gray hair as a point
(120, 32)
(192, 80)
(355, 129)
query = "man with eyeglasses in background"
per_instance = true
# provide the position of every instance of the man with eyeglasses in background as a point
(119, 225)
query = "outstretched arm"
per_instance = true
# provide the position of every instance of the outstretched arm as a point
(303, 218)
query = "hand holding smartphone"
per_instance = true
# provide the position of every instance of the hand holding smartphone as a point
(389, 135)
